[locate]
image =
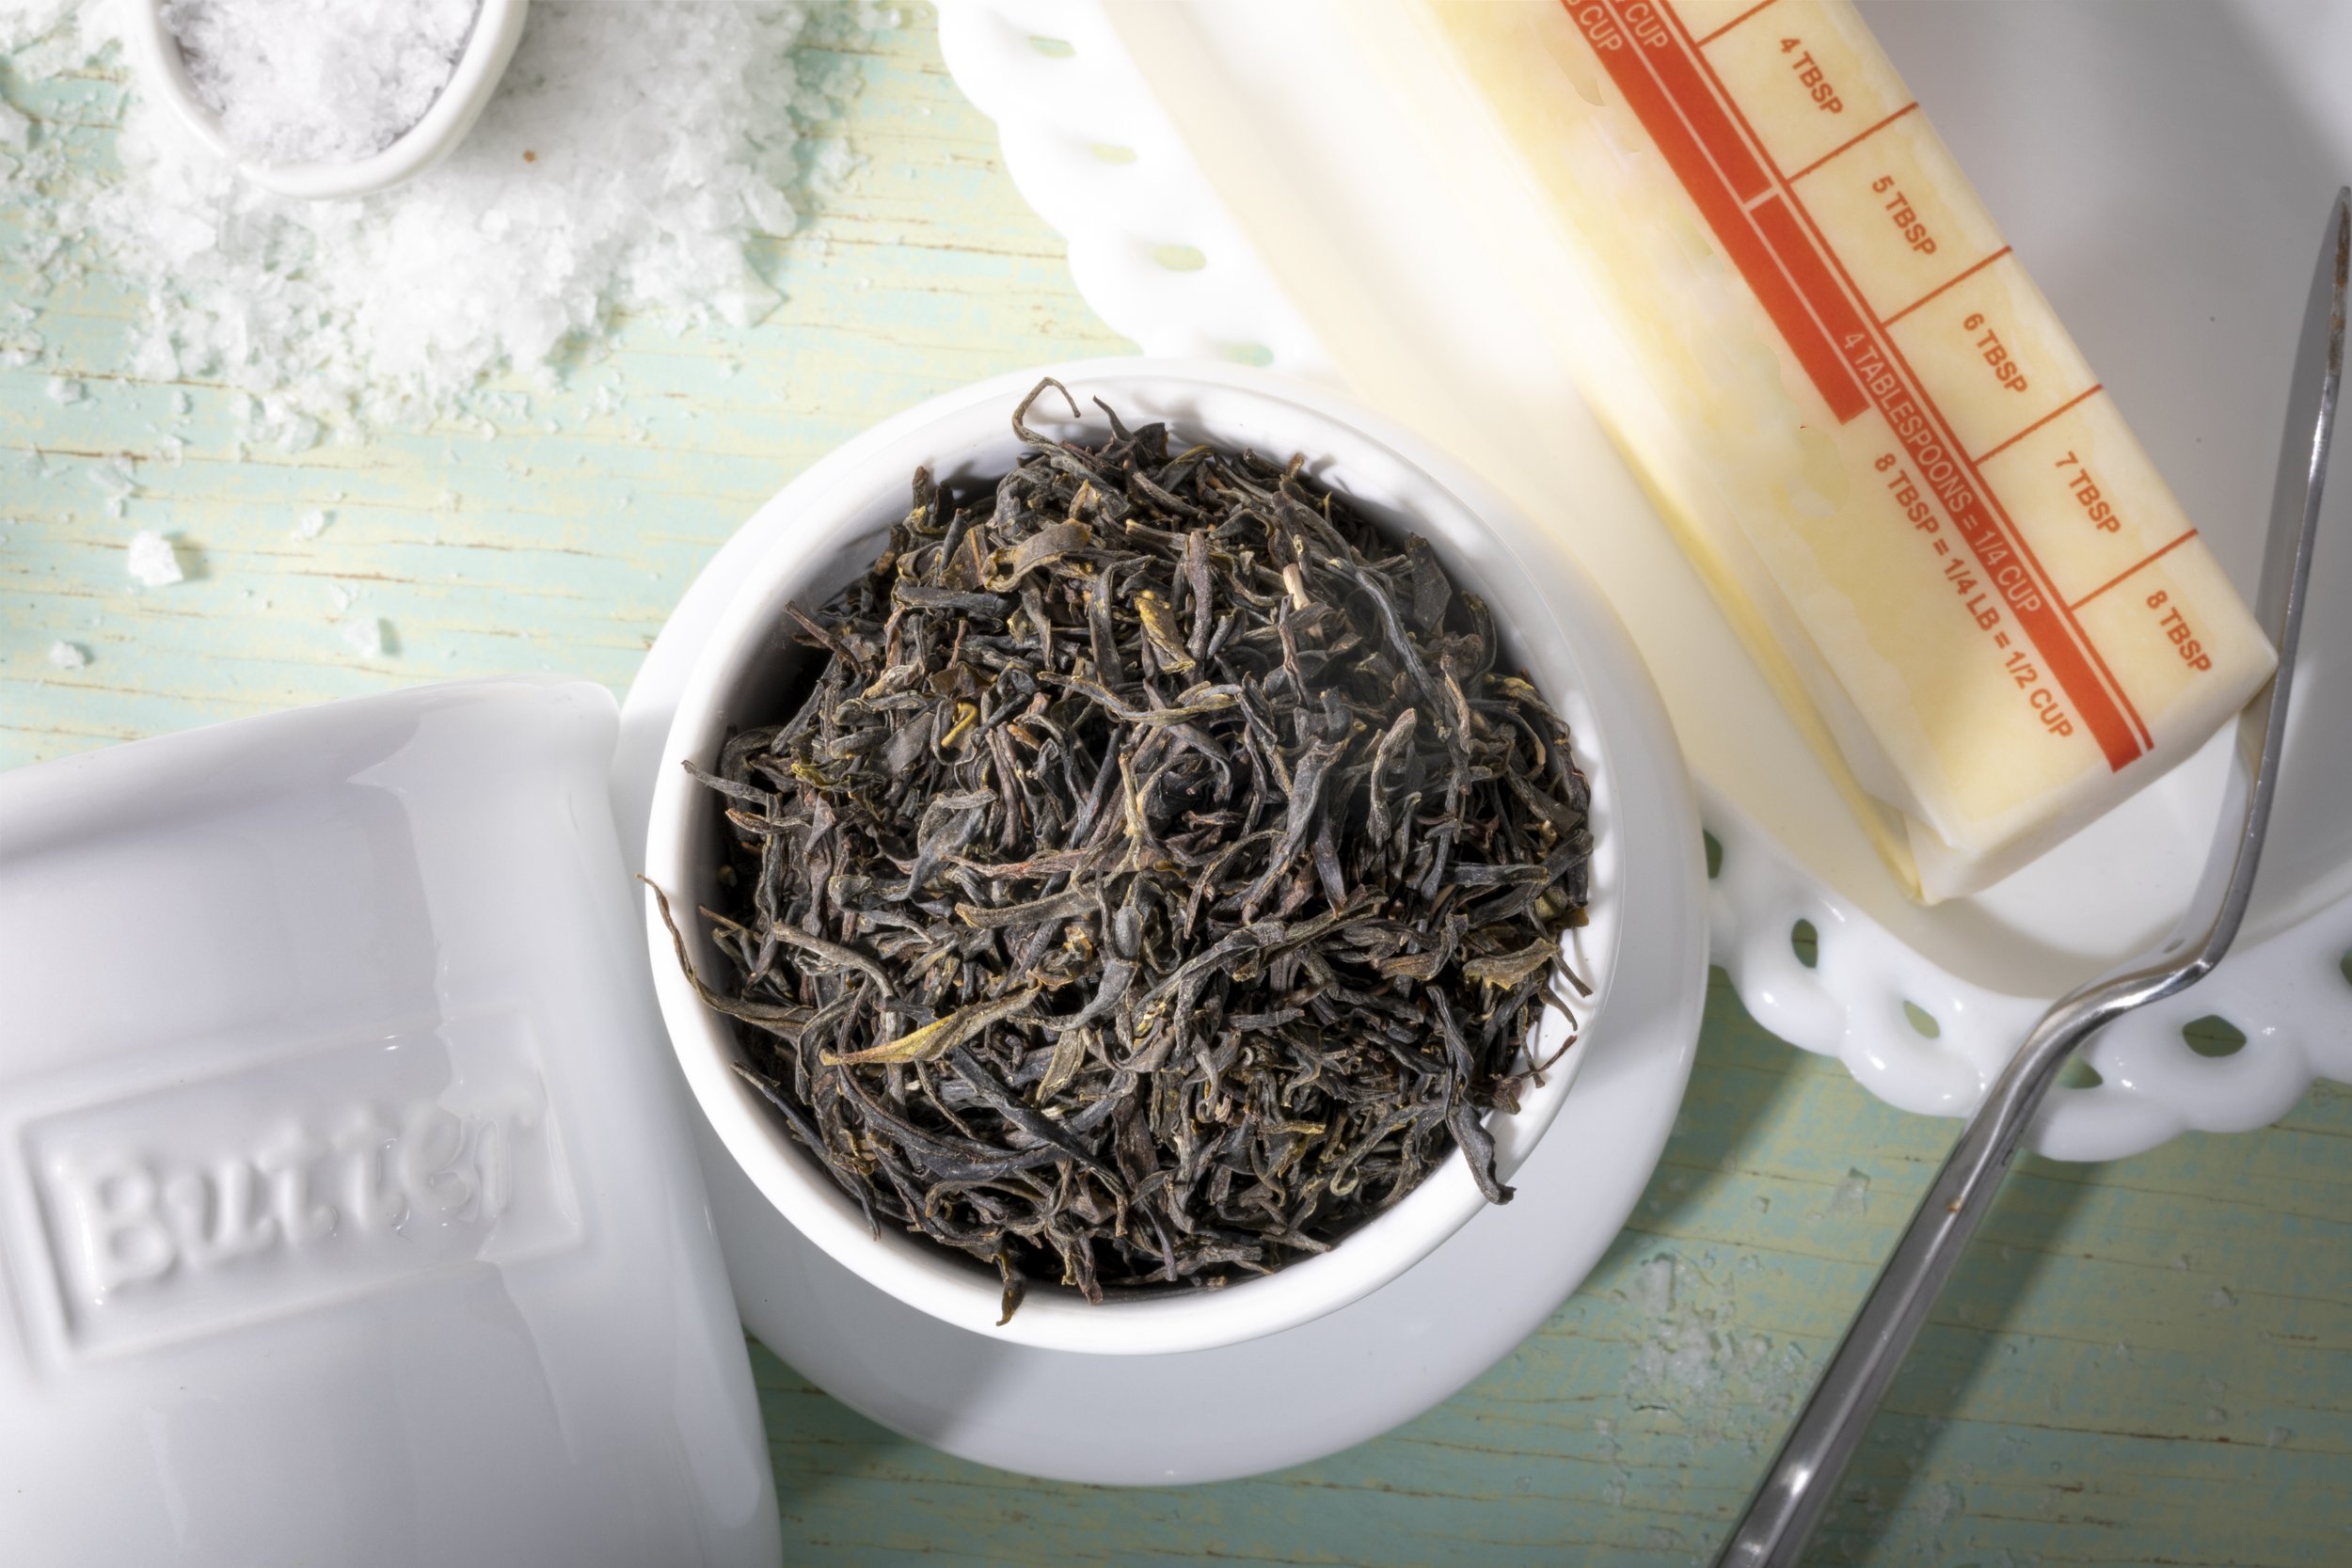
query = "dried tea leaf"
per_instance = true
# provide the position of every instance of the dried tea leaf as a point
(1505, 971)
(936, 1039)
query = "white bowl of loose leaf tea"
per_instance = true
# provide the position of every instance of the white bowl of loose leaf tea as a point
(1131, 867)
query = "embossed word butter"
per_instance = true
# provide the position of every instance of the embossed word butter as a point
(192, 1205)
(1911, 495)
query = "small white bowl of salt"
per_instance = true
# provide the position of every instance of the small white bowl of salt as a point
(326, 100)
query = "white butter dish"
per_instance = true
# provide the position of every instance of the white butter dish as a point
(347, 1213)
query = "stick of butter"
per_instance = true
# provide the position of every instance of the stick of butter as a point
(1905, 486)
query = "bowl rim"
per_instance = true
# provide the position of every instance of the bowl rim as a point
(498, 28)
(853, 506)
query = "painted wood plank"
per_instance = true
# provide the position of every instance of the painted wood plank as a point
(2140, 1363)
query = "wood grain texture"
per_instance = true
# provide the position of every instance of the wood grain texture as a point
(2140, 1363)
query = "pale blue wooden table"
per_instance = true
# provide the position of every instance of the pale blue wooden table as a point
(2140, 1363)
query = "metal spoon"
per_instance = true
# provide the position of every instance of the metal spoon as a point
(1797, 1489)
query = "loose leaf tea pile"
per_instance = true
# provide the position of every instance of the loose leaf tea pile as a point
(1160, 881)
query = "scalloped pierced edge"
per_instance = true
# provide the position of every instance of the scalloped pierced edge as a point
(1850, 1005)
(1088, 148)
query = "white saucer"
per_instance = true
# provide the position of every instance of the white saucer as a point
(1311, 1390)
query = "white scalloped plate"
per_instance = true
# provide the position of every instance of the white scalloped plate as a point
(2174, 240)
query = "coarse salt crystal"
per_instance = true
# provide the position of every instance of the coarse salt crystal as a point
(365, 637)
(15, 130)
(112, 475)
(310, 524)
(63, 391)
(1654, 1285)
(153, 561)
(68, 656)
(1853, 1195)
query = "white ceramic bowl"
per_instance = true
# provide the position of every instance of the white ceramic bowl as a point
(749, 660)
(498, 28)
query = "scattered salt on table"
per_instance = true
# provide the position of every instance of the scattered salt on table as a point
(310, 524)
(295, 82)
(154, 562)
(67, 655)
(61, 391)
(631, 154)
